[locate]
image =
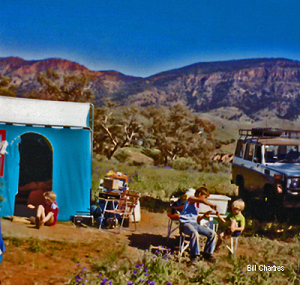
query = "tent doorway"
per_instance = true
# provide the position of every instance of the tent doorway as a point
(35, 172)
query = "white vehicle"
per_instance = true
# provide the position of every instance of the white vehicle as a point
(266, 165)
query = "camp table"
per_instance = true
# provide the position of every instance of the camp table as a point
(108, 197)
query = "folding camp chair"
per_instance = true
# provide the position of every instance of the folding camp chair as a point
(233, 244)
(126, 205)
(174, 216)
(184, 241)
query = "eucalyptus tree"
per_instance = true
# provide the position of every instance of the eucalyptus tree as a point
(115, 127)
(63, 87)
(7, 88)
(180, 133)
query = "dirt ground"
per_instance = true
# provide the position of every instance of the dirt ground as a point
(60, 249)
(30, 263)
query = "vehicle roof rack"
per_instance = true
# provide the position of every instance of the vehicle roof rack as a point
(268, 133)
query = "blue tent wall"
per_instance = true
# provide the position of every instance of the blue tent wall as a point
(72, 169)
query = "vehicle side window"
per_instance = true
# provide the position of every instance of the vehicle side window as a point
(239, 152)
(258, 153)
(249, 151)
(271, 153)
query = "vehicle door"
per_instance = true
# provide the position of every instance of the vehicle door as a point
(238, 160)
(259, 170)
(252, 160)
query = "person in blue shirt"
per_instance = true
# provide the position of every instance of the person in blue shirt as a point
(2, 245)
(190, 225)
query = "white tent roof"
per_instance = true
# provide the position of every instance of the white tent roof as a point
(42, 112)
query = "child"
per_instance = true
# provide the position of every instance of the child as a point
(46, 214)
(237, 222)
(189, 220)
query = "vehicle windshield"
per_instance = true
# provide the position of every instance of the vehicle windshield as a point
(282, 153)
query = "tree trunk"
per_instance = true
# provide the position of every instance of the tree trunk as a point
(166, 160)
(110, 154)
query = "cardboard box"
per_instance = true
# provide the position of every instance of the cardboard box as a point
(220, 200)
(122, 177)
(111, 184)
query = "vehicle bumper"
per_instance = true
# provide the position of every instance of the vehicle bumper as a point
(291, 200)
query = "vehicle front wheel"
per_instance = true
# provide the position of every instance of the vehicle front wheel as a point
(273, 205)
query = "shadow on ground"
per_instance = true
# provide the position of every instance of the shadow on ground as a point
(155, 205)
(143, 241)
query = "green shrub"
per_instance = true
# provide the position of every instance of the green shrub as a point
(183, 163)
(156, 267)
(161, 182)
(216, 167)
(13, 240)
(159, 265)
(122, 155)
(35, 246)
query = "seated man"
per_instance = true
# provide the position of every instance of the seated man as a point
(237, 222)
(190, 226)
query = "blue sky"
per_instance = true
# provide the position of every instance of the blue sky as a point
(142, 38)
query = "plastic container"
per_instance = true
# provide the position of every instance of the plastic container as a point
(220, 200)
(137, 212)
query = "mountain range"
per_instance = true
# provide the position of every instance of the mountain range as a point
(256, 87)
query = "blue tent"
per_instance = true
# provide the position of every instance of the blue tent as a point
(46, 145)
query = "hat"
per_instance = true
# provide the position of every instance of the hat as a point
(190, 192)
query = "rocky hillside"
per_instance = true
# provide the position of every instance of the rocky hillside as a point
(257, 87)
(23, 74)
(254, 86)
